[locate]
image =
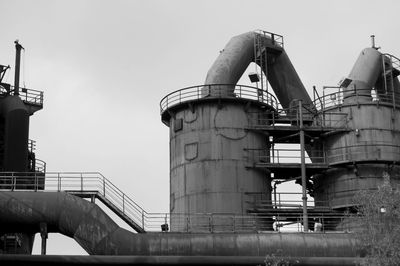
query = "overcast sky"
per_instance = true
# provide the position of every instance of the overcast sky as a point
(105, 65)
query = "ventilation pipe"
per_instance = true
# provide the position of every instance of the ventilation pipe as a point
(18, 49)
(363, 76)
(239, 53)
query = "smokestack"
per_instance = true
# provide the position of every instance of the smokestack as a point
(18, 49)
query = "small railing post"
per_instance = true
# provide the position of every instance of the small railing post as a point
(81, 182)
(104, 186)
(210, 221)
(13, 181)
(36, 182)
(279, 198)
(58, 182)
(123, 203)
(143, 219)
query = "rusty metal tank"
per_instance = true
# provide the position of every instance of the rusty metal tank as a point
(370, 149)
(209, 171)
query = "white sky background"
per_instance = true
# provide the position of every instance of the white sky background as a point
(105, 65)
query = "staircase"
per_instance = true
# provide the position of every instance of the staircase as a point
(283, 127)
(84, 185)
(9, 243)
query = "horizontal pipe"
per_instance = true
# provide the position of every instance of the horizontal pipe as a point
(98, 234)
(174, 260)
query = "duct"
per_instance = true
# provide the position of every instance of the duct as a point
(16, 131)
(174, 260)
(239, 53)
(363, 76)
(99, 235)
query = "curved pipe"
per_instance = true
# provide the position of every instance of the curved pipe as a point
(99, 235)
(239, 53)
(364, 75)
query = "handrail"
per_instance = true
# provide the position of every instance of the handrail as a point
(40, 166)
(394, 60)
(219, 91)
(291, 118)
(28, 96)
(337, 98)
(279, 156)
(94, 182)
(363, 152)
(337, 155)
(276, 38)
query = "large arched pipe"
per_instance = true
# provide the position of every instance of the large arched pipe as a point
(99, 235)
(239, 53)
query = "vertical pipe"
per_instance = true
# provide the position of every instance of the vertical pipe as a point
(18, 49)
(303, 169)
(43, 234)
(373, 41)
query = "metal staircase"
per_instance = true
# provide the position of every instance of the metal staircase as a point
(9, 243)
(283, 127)
(84, 185)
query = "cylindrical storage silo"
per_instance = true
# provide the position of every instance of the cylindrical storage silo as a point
(370, 149)
(210, 176)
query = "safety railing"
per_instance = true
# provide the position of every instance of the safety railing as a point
(394, 61)
(285, 117)
(194, 222)
(40, 166)
(283, 200)
(275, 220)
(336, 96)
(339, 155)
(31, 145)
(217, 91)
(276, 38)
(364, 152)
(281, 156)
(28, 96)
(74, 182)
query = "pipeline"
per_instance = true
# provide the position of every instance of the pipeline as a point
(239, 53)
(98, 234)
(175, 260)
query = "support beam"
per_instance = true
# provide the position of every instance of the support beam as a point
(44, 235)
(303, 169)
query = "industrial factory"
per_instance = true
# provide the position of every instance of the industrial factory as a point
(231, 148)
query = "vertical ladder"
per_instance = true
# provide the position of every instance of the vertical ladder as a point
(260, 58)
